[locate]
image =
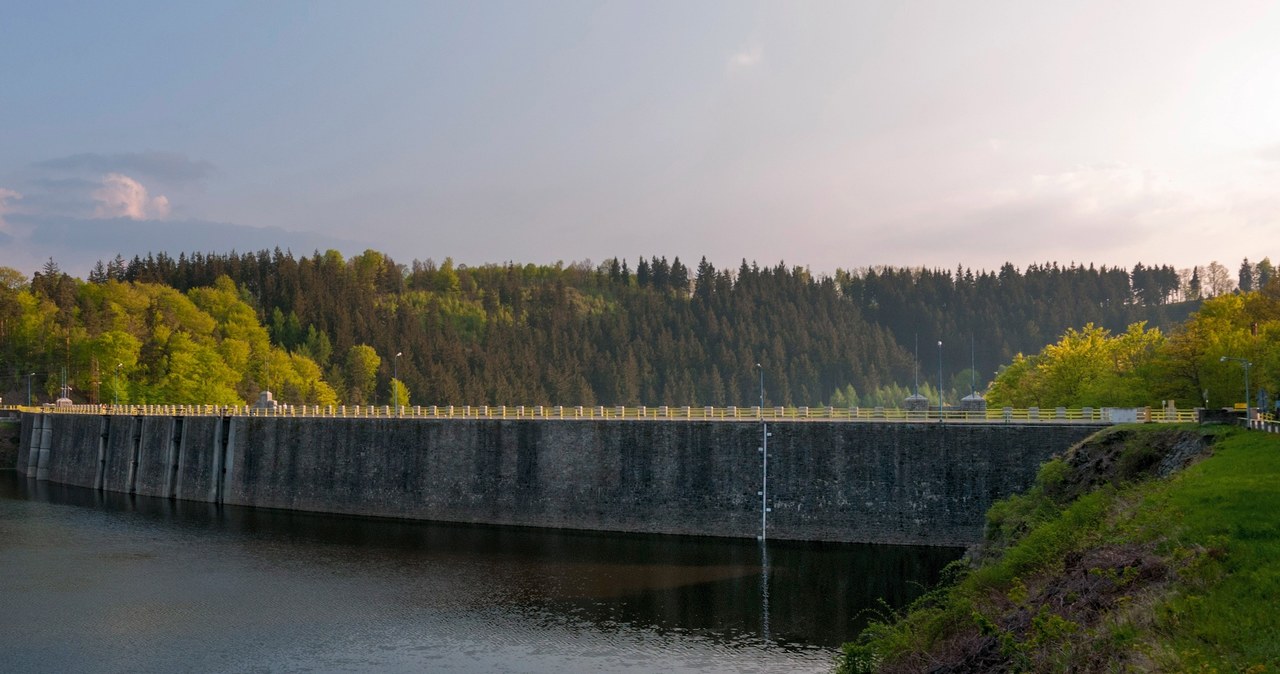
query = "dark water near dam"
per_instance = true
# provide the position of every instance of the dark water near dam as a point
(105, 582)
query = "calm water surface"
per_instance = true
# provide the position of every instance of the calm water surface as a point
(111, 583)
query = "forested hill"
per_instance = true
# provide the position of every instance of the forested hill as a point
(658, 333)
(1007, 312)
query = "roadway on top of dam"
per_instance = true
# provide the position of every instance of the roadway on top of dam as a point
(1005, 415)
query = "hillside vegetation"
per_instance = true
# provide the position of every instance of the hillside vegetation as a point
(219, 327)
(1118, 559)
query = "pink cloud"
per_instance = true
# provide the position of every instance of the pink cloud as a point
(123, 197)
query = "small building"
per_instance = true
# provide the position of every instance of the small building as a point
(265, 402)
(916, 403)
(973, 403)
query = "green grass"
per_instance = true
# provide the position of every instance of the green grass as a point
(1137, 574)
(1227, 616)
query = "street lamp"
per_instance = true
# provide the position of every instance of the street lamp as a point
(1248, 407)
(29, 377)
(115, 402)
(939, 380)
(395, 378)
(761, 369)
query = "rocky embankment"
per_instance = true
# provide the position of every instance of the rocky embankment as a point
(1140, 549)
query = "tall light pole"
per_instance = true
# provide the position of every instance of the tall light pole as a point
(116, 389)
(917, 364)
(764, 464)
(29, 378)
(973, 365)
(395, 380)
(1248, 406)
(939, 380)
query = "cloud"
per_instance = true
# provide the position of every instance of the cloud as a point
(123, 197)
(747, 58)
(5, 196)
(1270, 153)
(1067, 215)
(133, 185)
(1106, 191)
(167, 167)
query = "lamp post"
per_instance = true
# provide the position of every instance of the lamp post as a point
(395, 380)
(29, 378)
(1248, 407)
(939, 380)
(115, 401)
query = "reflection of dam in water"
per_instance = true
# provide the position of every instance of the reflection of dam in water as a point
(915, 483)
(284, 590)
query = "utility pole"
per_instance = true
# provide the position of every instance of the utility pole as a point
(939, 380)
(395, 381)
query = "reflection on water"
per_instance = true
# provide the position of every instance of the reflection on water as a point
(106, 581)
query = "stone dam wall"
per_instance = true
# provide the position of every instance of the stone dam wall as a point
(908, 483)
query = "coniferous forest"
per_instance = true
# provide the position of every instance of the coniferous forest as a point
(324, 329)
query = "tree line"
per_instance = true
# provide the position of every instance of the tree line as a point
(1226, 353)
(323, 328)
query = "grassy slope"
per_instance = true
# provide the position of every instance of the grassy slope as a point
(1103, 567)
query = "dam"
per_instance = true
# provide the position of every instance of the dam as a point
(902, 482)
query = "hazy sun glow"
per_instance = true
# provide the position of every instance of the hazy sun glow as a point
(826, 134)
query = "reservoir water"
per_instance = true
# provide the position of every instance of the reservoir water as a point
(105, 582)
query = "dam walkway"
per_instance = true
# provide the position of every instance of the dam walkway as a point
(1004, 415)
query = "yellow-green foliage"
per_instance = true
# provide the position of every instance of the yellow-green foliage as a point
(1238, 326)
(1086, 367)
(149, 343)
(1092, 367)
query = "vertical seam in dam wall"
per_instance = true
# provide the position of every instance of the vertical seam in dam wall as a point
(33, 444)
(25, 422)
(226, 475)
(220, 431)
(171, 458)
(43, 456)
(834, 481)
(103, 438)
(135, 444)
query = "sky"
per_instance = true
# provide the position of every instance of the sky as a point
(827, 135)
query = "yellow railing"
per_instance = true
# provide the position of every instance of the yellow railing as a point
(664, 412)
